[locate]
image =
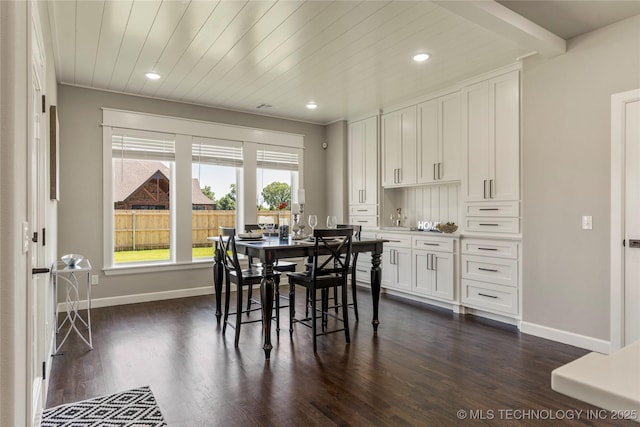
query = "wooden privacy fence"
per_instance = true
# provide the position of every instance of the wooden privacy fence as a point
(147, 229)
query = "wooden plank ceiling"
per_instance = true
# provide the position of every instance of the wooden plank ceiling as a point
(351, 58)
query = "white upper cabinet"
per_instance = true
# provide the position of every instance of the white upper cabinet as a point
(363, 162)
(439, 149)
(399, 137)
(491, 135)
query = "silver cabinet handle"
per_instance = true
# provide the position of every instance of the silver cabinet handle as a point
(361, 210)
(439, 170)
(488, 269)
(492, 187)
(490, 225)
(484, 189)
(488, 296)
(364, 196)
(434, 265)
(489, 209)
(487, 249)
(428, 261)
(434, 172)
(430, 244)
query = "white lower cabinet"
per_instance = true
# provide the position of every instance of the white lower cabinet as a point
(396, 268)
(433, 274)
(420, 264)
(491, 276)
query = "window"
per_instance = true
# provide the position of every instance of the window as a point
(214, 167)
(190, 177)
(142, 170)
(277, 180)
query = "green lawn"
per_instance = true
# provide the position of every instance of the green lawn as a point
(157, 255)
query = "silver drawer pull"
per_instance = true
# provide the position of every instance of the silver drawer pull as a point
(488, 296)
(488, 209)
(361, 210)
(431, 244)
(488, 269)
(491, 225)
(487, 249)
(395, 241)
(361, 270)
(362, 220)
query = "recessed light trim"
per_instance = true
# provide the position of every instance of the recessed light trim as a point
(152, 76)
(421, 57)
(312, 105)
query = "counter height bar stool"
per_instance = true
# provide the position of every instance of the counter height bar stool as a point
(330, 265)
(241, 278)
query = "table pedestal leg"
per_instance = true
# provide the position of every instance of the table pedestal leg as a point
(266, 297)
(376, 279)
(217, 281)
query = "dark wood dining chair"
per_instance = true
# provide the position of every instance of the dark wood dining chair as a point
(357, 230)
(279, 266)
(242, 278)
(329, 267)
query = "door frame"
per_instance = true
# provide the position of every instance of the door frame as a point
(618, 104)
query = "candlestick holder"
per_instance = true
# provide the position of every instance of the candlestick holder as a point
(298, 224)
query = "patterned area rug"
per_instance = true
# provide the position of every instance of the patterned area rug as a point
(133, 408)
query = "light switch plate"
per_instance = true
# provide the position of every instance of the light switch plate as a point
(587, 222)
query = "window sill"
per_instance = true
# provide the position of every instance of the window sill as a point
(159, 267)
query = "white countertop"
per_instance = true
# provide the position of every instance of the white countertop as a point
(608, 381)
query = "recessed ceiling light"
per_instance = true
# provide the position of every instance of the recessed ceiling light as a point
(152, 76)
(312, 105)
(421, 57)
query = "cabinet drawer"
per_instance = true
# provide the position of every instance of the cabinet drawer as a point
(397, 240)
(360, 210)
(431, 243)
(365, 221)
(487, 269)
(494, 248)
(490, 297)
(492, 225)
(493, 209)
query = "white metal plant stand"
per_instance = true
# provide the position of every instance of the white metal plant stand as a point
(72, 276)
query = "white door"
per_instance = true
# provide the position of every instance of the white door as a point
(631, 288)
(37, 265)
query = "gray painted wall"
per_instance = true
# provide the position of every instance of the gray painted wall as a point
(81, 203)
(566, 174)
(336, 175)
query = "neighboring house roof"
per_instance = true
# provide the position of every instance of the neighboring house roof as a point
(130, 174)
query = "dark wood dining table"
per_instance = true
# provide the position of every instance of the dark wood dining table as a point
(270, 249)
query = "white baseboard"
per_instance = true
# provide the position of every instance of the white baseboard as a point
(137, 298)
(565, 337)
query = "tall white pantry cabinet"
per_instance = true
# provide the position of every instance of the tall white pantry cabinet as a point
(363, 172)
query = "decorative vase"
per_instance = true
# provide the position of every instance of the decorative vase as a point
(283, 227)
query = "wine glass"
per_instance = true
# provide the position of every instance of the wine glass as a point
(332, 222)
(261, 223)
(313, 222)
(270, 224)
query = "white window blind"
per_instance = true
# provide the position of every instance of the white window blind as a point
(281, 160)
(129, 144)
(216, 152)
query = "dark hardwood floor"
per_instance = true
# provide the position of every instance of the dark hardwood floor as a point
(424, 365)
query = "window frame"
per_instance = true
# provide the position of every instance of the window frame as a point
(187, 132)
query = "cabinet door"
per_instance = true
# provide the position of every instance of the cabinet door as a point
(391, 142)
(475, 112)
(370, 155)
(422, 275)
(403, 264)
(505, 136)
(442, 285)
(428, 141)
(450, 137)
(356, 161)
(399, 147)
(396, 268)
